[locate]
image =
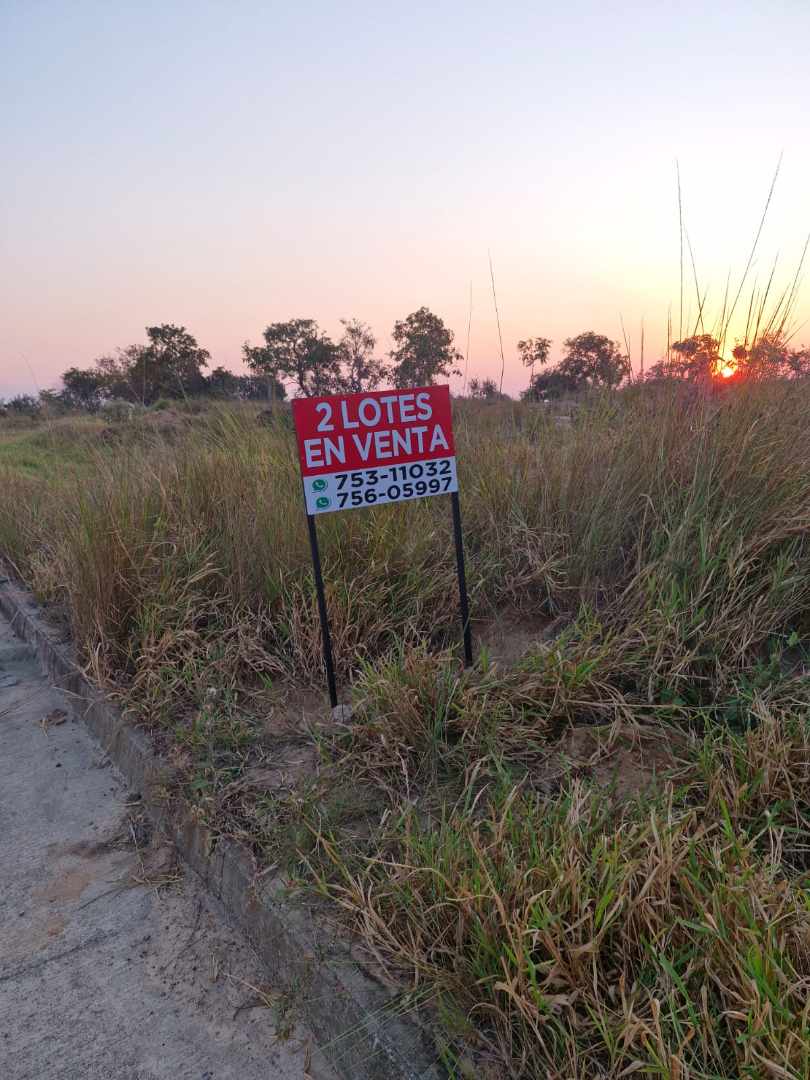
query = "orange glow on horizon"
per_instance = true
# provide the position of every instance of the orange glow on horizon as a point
(726, 366)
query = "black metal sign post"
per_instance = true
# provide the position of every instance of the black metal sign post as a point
(327, 637)
(372, 448)
(324, 616)
(462, 580)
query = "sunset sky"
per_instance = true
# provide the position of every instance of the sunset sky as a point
(226, 165)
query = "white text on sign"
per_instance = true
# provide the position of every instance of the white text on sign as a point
(369, 449)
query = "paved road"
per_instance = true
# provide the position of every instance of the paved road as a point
(105, 973)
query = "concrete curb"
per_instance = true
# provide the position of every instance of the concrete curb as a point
(353, 1018)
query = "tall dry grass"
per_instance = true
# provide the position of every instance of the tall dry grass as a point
(556, 930)
(687, 516)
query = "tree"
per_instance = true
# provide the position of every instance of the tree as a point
(169, 366)
(265, 382)
(423, 350)
(222, 383)
(360, 369)
(54, 402)
(550, 385)
(83, 388)
(534, 351)
(261, 388)
(770, 357)
(116, 372)
(299, 351)
(798, 363)
(593, 360)
(695, 359)
(486, 390)
(23, 405)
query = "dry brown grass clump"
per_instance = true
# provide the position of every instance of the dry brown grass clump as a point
(569, 937)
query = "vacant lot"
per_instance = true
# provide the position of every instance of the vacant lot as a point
(586, 856)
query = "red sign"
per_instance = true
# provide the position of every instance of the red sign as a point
(384, 446)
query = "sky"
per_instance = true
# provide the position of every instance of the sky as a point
(226, 165)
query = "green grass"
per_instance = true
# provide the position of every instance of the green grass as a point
(47, 450)
(588, 862)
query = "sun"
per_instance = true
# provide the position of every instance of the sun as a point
(727, 365)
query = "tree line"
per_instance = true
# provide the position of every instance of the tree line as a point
(698, 359)
(298, 354)
(592, 360)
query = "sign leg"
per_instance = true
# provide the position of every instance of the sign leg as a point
(327, 637)
(462, 580)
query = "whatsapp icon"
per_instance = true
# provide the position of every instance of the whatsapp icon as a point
(322, 502)
(319, 485)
